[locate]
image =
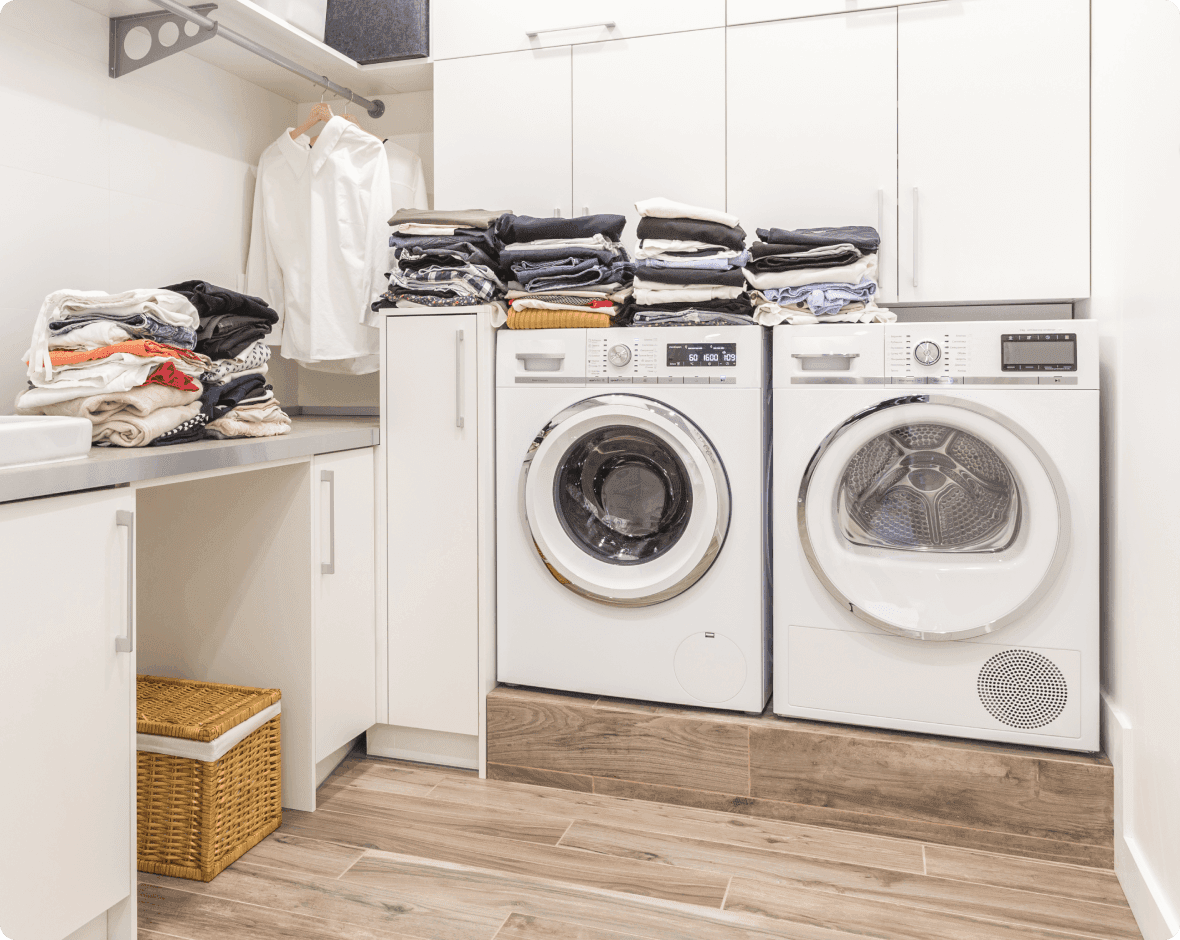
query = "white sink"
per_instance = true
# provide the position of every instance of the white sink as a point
(35, 439)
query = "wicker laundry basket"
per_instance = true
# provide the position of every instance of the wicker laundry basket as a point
(208, 773)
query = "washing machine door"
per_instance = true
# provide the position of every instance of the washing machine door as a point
(934, 518)
(625, 499)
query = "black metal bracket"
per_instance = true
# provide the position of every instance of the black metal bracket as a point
(121, 26)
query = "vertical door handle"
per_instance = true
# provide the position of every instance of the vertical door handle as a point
(329, 477)
(459, 378)
(585, 210)
(557, 213)
(126, 520)
(917, 217)
(880, 235)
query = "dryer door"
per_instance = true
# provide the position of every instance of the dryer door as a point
(934, 518)
(625, 500)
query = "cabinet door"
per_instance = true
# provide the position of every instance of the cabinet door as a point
(757, 11)
(345, 615)
(993, 166)
(818, 147)
(430, 447)
(663, 134)
(502, 132)
(67, 699)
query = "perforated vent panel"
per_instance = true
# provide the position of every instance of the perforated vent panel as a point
(1022, 689)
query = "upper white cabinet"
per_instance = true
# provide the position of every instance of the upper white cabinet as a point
(476, 27)
(993, 165)
(760, 11)
(67, 677)
(478, 161)
(659, 137)
(790, 164)
(345, 597)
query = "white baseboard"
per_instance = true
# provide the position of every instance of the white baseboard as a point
(425, 747)
(1156, 918)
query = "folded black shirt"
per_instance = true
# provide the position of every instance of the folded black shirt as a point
(864, 237)
(738, 305)
(526, 228)
(229, 321)
(703, 276)
(795, 261)
(693, 230)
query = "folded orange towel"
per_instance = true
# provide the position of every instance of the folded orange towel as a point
(135, 347)
(555, 319)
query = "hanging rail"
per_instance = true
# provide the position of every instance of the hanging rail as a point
(121, 63)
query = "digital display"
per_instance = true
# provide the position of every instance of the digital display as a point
(1039, 352)
(702, 355)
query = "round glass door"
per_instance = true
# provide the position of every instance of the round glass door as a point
(934, 518)
(625, 500)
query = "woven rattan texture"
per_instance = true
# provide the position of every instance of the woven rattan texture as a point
(196, 818)
(196, 711)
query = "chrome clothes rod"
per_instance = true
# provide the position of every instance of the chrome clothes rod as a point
(121, 63)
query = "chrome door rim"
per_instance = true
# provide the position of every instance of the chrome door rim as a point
(1064, 528)
(714, 466)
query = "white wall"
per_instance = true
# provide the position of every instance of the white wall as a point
(1136, 255)
(111, 184)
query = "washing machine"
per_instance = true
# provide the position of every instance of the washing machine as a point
(632, 531)
(936, 510)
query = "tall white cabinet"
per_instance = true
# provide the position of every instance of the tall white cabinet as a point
(67, 853)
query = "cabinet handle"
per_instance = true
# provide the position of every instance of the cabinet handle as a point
(916, 240)
(881, 235)
(329, 477)
(557, 213)
(458, 378)
(585, 210)
(534, 33)
(125, 519)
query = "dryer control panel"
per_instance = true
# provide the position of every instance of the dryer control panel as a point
(918, 355)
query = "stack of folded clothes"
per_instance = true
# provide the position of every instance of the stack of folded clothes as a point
(816, 275)
(688, 268)
(236, 402)
(124, 361)
(566, 273)
(443, 258)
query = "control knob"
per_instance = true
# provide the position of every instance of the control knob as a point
(927, 353)
(619, 355)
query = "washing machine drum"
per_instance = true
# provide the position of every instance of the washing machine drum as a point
(934, 518)
(625, 500)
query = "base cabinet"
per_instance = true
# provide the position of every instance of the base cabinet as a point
(67, 686)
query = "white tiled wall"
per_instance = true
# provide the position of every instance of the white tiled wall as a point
(111, 184)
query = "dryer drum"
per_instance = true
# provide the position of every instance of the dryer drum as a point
(929, 487)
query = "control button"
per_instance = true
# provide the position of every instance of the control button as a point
(696, 380)
(621, 380)
(597, 380)
(671, 380)
(927, 353)
(645, 380)
(619, 355)
(723, 380)
(1058, 380)
(909, 380)
(944, 380)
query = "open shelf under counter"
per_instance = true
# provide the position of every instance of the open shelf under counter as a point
(266, 29)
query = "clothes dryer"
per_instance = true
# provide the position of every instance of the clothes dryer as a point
(631, 513)
(936, 512)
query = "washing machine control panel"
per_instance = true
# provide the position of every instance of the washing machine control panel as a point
(920, 354)
(668, 356)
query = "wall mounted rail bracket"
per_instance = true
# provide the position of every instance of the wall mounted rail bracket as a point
(193, 28)
(121, 26)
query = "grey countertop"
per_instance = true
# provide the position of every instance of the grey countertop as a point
(113, 466)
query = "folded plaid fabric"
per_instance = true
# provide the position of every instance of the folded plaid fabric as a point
(470, 280)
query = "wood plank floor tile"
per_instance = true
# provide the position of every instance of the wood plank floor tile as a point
(386, 777)
(537, 731)
(426, 881)
(871, 918)
(280, 850)
(579, 783)
(212, 918)
(341, 903)
(506, 855)
(1094, 856)
(523, 927)
(687, 821)
(419, 811)
(1066, 881)
(859, 881)
(914, 779)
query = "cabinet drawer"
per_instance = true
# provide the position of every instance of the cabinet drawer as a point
(759, 11)
(475, 27)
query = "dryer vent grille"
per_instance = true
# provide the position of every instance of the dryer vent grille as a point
(1022, 689)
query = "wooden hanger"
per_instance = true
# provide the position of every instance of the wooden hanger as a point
(322, 112)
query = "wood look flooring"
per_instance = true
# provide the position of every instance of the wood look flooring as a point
(401, 851)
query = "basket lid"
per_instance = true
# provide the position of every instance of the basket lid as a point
(196, 711)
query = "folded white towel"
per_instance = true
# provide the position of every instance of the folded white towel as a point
(866, 267)
(661, 208)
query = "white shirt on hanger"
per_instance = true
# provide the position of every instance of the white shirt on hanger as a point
(319, 244)
(407, 179)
